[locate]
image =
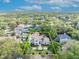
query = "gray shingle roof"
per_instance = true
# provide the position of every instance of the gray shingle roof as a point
(63, 37)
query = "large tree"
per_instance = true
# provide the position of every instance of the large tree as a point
(10, 49)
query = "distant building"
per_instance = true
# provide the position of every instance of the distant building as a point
(77, 26)
(43, 18)
(66, 19)
(31, 18)
(62, 38)
(18, 29)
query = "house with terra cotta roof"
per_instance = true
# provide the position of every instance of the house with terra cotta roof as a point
(37, 39)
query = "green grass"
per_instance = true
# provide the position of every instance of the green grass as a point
(37, 52)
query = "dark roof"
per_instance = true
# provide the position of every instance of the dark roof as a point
(62, 36)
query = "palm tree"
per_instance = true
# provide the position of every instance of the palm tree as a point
(54, 47)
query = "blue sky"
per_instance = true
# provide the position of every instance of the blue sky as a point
(39, 5)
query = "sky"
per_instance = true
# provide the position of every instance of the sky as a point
(39, 5)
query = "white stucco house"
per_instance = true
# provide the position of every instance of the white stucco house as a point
(37, 39)
(22, 30)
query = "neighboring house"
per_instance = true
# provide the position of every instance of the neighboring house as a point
(62, 38)
(22, 30)
(18, 29)
(37, 39)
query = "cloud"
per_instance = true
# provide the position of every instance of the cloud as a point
(38, 1)
(47, 1)
(62, 3)
(56, 8)
(18, 9)
(33, 7)
(74, 5)
(6, 1)
(29, 8)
